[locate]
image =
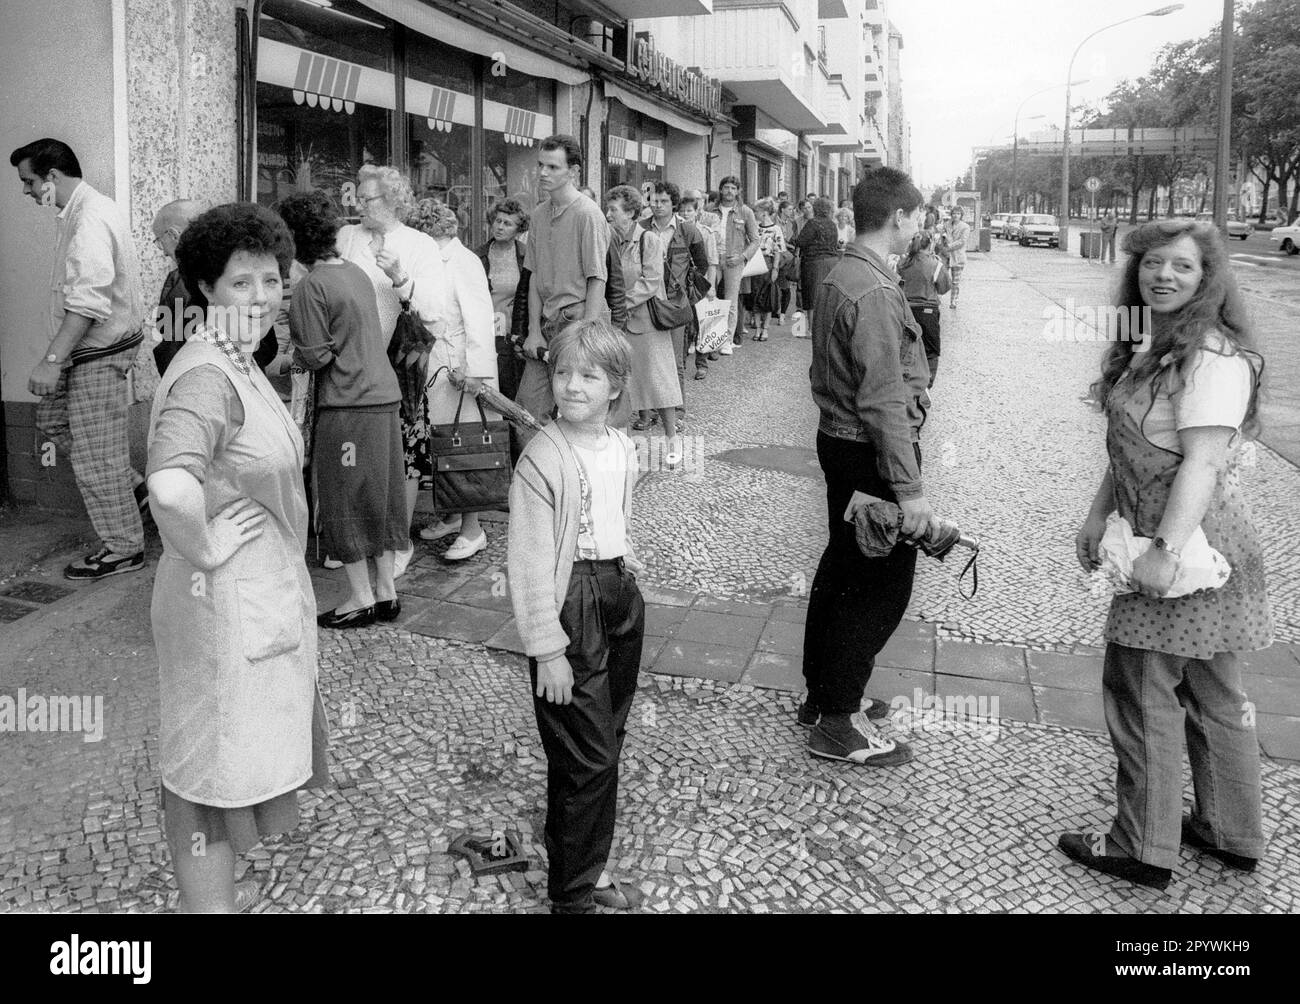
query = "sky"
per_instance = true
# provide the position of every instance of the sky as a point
(968, 64)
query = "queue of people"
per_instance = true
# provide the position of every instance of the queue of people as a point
(584, 312)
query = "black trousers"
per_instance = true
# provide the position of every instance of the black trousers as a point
(604, 617)
(856, 602)
(927, 316)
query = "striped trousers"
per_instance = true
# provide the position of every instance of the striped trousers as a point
(85, 418)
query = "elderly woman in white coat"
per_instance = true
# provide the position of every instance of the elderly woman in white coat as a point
(467, 342)
(404, 265)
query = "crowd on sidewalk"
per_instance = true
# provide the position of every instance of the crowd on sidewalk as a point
(311, 375)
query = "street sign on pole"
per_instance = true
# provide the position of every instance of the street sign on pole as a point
(1093, 184)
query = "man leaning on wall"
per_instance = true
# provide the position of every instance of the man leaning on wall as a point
(96, 328)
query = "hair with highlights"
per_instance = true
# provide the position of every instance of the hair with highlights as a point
(1216, 306)
(595, 342)
(393, 186)
(435, 218)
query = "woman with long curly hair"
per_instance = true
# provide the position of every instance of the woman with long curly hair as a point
(1178, 404)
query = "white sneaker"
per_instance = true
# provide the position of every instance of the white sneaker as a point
(402, 560)
(331, 563)
(443, 528)
(727, 348)
(463, 548)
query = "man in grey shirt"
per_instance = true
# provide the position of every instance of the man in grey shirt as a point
(568, 243)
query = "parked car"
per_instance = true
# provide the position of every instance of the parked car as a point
(1236, 228)
(1011, 230)
(998, 224)
(1039, 228)
(1288, 238)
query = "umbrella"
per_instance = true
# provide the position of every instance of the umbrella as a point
(879, 525)
(492, 398)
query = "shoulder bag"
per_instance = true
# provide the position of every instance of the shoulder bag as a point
(471, 463)
(666, 315)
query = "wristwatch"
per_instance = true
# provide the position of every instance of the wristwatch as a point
(53, 358)
(1163, 545)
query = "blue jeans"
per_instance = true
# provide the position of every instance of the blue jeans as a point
(1152, 700)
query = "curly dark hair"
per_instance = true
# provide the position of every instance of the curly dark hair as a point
(314, 219)
(1217, 306)
(510, 207)
(206, 246)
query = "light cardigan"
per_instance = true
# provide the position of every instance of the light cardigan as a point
(545, 499)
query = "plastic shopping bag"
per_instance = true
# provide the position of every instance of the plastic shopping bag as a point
(714, 332)
(1201, 567)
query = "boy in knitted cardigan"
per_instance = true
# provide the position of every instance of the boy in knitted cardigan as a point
(578, 608)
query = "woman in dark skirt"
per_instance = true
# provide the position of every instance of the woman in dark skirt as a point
(818, 244)
(358, 454)
(240, 721)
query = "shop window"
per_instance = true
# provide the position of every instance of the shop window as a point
(325, 98)
(518, 111)
(635, 148)
(441, 119)
(751, 180)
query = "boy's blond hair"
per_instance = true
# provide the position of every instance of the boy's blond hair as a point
(597, 342)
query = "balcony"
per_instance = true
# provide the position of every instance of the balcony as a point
(841, 123)
(629, 9)
(760, 54)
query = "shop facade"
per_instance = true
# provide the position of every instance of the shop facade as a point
(233, 99)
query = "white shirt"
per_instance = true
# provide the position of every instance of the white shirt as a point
(1216, 391)
(605, 478)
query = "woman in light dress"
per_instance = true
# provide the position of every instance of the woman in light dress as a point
(467, 342)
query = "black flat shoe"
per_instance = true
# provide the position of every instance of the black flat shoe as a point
(1078, 847)
(388, 610)
(361, 617)
(1193, 839)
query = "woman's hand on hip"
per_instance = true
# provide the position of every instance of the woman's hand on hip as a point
(230, 529)
(1087, 543)
(1153, 573)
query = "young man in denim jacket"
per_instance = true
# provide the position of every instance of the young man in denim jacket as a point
(869, 377)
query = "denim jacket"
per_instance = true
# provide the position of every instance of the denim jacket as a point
(869, 370)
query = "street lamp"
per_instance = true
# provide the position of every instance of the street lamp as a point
(1015, 143)
(1065, 138)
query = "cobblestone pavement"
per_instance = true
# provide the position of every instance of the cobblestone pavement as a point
(721, 807)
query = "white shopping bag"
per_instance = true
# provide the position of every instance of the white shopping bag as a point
(714, 332)
(1201, 567)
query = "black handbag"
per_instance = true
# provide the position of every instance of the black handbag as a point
(471, 463)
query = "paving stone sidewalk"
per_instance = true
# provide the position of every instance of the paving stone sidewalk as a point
(761, 644)
(721, 807)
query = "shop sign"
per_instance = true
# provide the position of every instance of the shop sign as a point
(688, 86)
